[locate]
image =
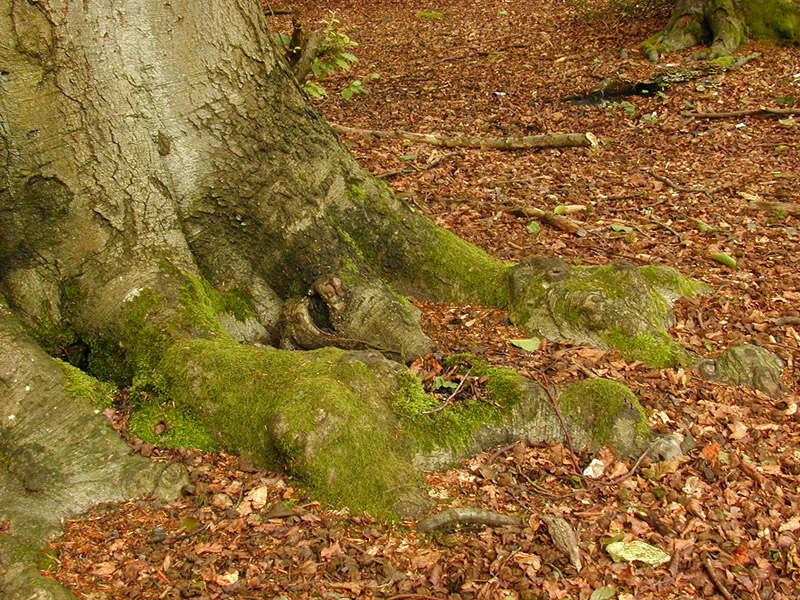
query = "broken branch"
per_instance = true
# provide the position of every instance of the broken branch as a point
(550, 140)
(558, 221)
(466, 515)
(790, 208)
(761, 111)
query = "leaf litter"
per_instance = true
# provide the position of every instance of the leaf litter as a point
(726, 513)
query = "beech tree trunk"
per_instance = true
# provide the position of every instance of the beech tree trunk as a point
(175, 217)
(723, 25)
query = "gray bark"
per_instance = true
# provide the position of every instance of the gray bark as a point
(57, 458)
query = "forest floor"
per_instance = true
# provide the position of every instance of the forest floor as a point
(663, 186)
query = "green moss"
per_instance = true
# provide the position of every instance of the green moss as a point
(350, 242)
(321, 418)
(80, 384)
(356, 191)
(602, 402)
(724, 61)
(670, 283)
(416, 256)
(182, 430)
(50, 334)
(47, 560)
(773, 19)
(411, 400)
(613, 306)
(484, 277)
(201, 304)
(454, 426)
(656, 350)
(151, 324)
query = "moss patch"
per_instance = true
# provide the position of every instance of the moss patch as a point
(152, 323)
(656, 350)
(614, 306)
(80, 384)
(453, 426)
(180, 429)
(773, 19)
(322, 417)
(670, 283)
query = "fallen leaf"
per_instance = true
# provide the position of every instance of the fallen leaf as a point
(208, 548)
(258, 497)
(228, 578)
(529, 344)
(792, 524)
(104, 569)
(637, 551)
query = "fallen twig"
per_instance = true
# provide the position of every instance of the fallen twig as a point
(790, 208)
(451, 396)
(434, 163)
(557, 410)
(760, 111)
(678, 187)
(548, 140)
(558, 221)
(466, 515)
(668, 228)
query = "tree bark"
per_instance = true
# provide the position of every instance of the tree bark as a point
(724, 25)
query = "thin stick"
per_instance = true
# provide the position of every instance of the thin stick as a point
(760, 111)
(681, 188)
(451, 396)
(668, 228)
(551, 140)
(557, 410)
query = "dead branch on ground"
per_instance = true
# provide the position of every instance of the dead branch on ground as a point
(761, 111)
(558, 221)
(790, 208)
(550, 140)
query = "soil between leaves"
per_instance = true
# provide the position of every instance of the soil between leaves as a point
(734, 500)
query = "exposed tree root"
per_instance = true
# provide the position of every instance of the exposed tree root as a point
(551, 140)
(695, 22)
